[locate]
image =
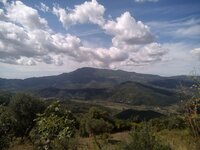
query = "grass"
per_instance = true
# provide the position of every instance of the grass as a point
(25, 146)
(121, 106)
(112, 143)
(179, 139)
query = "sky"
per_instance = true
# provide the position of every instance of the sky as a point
(49, 37)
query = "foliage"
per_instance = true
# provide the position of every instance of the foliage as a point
(7, 125)
(193, 116)
(96, 122)
(5, 98)
(138, 115)
(54, 127)
(122, 125)
(173, 122)
(143, 139)
(142, 94)
(192, 109)
(25, 107)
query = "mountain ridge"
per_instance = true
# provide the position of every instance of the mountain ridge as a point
(86, 77)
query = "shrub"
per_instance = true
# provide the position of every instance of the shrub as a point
(143, 139)
(54, 128)
(96, 122)
(25, 107)
(7, 126)
(174, 122)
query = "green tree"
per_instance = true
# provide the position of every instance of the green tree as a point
(25, 107)
(7, 126)
(5, 98)
(96, 122)
(54, 128)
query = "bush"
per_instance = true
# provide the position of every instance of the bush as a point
(143, 139)
(5, 98)
(7, 126)
(170, 123)
(25, 107)
(54, 128)
(96, 122)
(192, 116)
(122, 125)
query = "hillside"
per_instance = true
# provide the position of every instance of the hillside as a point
(111, 85)
(92, 78)
(138, 94)
(127, 92)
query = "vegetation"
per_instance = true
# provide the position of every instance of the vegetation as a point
(138, 116)
(53, 128)
(7, 127)
(143, 139)
(24, 108)
(27, 122)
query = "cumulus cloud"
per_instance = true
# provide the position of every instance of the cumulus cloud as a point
(26, 35)
(25, 16)
(26, 38)
(128, 32)
(149, 53)
(88, 12)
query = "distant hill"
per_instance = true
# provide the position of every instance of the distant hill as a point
(85, 94)
(127, 92)
(92, 78)
(138, 115)
(138, 94)
(93, 83)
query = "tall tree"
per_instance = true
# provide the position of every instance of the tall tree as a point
(25, 107)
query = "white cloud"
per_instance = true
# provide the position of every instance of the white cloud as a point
(196, 52)
(25, 35)
(26, 16)
(3, 1)
(43, 7)
(26, 38)
(88, 12)
(181, 28)
(142, 1)
(191, 31)
(128, 32)
(147, 54)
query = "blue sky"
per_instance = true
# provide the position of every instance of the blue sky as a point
(48, 37)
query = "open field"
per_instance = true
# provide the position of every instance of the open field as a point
(121, 106)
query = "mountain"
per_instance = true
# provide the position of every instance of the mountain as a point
(91, 78)
(111, 85)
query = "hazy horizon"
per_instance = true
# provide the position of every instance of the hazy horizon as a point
(190, 74)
